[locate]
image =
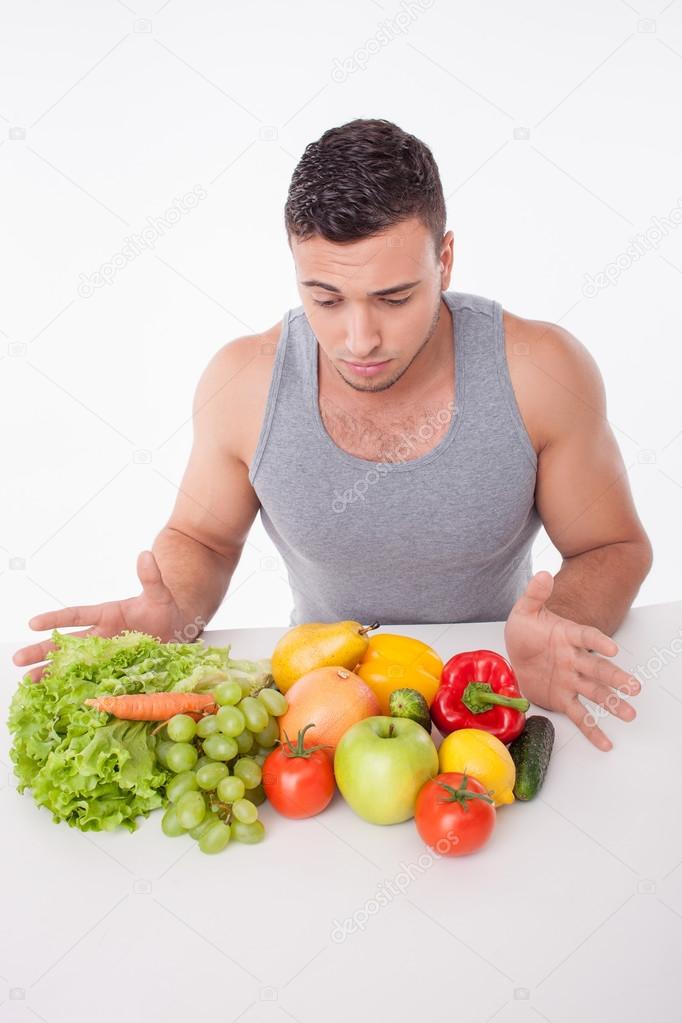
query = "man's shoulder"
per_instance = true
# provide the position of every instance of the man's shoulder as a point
(233, 388)
(555, 378)
(255, 350)
(244, 364)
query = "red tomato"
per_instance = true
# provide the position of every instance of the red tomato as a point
(449, 819)
(299, 782)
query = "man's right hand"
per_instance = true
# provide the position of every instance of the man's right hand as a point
(154, 611)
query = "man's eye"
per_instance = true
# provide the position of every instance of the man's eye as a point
(388, 301)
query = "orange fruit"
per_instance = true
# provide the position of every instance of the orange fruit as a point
(333, 699)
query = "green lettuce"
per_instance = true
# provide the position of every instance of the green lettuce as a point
(90, 770)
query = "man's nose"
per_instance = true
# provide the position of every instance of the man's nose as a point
(362, 339)
(362, 350)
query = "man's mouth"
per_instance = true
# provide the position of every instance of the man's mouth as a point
(367, 368)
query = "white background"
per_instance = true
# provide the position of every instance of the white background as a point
(557, 133)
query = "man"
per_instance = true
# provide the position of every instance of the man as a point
(403, 444)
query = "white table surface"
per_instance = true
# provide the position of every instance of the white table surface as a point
(572, 911)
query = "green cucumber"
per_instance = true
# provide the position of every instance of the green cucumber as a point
(530, 752)
(408, 703)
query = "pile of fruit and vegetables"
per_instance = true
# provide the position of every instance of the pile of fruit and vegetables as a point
(119, 727)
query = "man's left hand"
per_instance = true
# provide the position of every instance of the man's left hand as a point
(557, 660)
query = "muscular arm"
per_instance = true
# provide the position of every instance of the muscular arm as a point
(583, 494)
(558, 632)
(598, 587)
(199, 547)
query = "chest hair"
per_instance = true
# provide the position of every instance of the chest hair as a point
(408, 433)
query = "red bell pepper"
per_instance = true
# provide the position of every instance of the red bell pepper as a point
(478, 689)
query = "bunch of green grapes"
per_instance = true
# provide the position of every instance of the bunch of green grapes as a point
(217, 763)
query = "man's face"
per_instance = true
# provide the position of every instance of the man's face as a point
(371, 339)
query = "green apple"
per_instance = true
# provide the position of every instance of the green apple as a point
(380, 765)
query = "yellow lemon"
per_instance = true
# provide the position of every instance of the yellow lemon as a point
(484, 757)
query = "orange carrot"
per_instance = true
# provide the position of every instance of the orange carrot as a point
(154, 706)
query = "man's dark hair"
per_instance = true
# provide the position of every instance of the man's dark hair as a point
(361, 178)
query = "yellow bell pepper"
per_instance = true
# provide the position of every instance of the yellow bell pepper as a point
(478, 753)
(399, 662)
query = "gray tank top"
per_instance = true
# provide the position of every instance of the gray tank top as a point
(445, 537)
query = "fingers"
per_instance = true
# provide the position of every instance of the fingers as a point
(32, 654)
(39, 651)
(606, 672)
(581, 717)
(606, 698)
(589, 638)
(538, 591)
(65, 616)
(36, 674)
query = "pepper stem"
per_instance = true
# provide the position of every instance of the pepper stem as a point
(479, 697)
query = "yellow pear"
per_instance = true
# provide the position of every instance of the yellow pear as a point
(318, 645)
